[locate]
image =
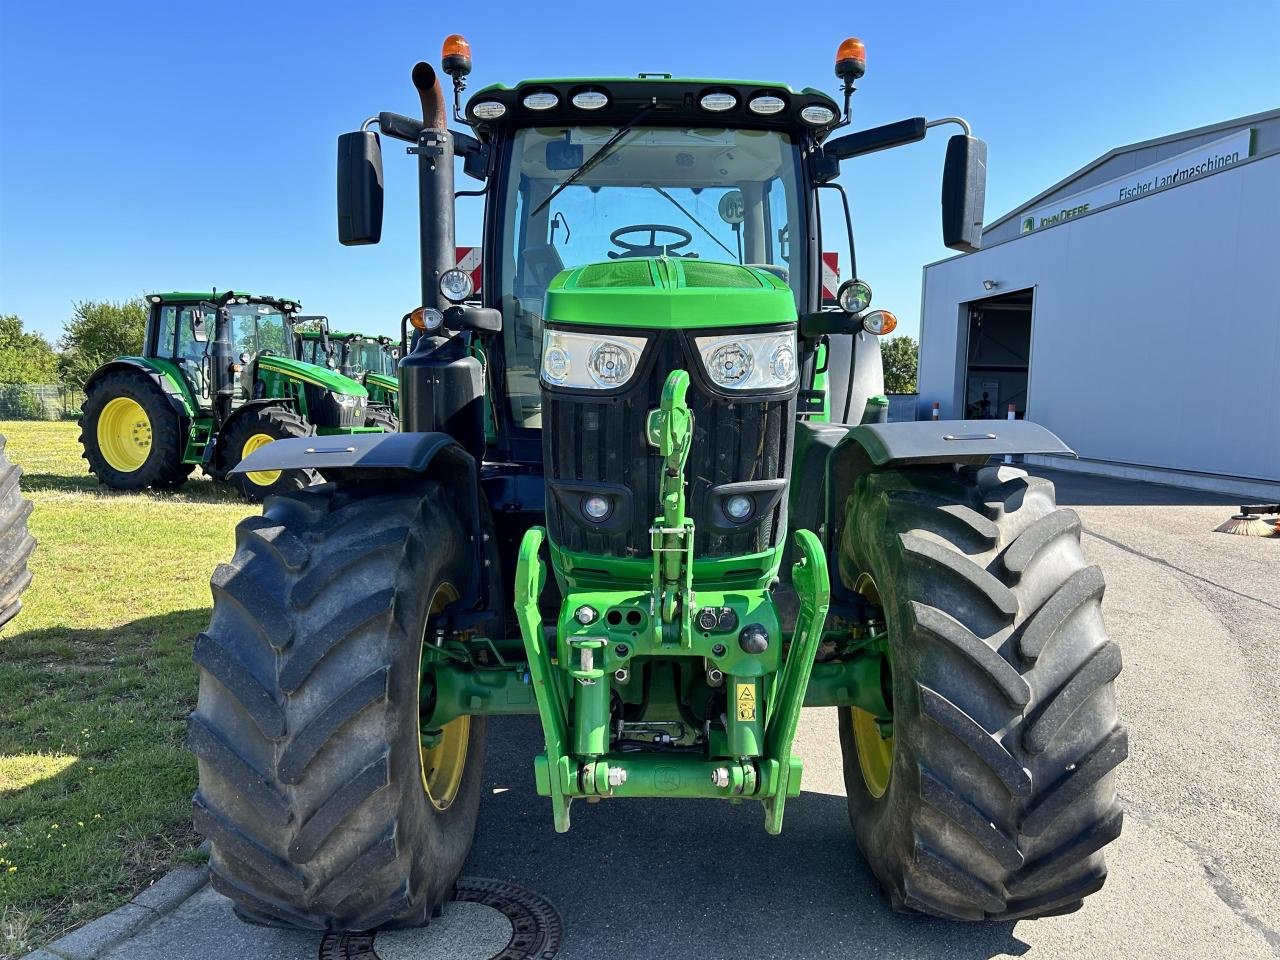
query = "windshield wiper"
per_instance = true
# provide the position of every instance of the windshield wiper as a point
(590, 163)
(700, 224)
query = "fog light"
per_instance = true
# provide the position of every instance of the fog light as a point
(597, 508)
(738, 507)
(590, 100)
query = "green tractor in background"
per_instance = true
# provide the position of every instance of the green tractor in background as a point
(216, 381)
(16, 543)
(367, 358)
(634, 497)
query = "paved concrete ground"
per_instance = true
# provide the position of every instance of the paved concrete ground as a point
(1194, 875)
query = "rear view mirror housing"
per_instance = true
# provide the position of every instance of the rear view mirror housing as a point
(964, 193)
(360, 193)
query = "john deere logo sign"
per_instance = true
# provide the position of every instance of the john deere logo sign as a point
(1206, 158)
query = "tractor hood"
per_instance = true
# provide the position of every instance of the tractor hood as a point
(667, 293)
(315, 375)
(384, 381)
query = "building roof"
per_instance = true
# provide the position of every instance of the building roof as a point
(1134, 156)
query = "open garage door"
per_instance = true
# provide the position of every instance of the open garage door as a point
(998, 356)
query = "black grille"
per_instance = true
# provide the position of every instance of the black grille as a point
(596, 441)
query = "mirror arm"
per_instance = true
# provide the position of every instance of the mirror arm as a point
(959, 121)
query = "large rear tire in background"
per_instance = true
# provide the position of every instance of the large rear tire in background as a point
(16, 544)
(253, 429)
(382, 417)
(325, 806)
(132, 436)
(994, 794)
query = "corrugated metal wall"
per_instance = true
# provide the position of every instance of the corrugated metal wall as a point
(1156, 326)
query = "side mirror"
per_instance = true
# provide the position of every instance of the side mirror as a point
(964, 193)
(359, 188)
(199, 330)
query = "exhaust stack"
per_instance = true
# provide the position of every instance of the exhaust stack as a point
(435, 186)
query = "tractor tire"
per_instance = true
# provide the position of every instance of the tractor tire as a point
(382, 417)
(311, 769)
(132, 437)
(994, 793)
(16, 544)
(253, 429)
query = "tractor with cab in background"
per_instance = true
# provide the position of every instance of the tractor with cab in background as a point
(634, 496)
(367, 358)
(217, 379)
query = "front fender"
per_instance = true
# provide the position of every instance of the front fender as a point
(358, 455)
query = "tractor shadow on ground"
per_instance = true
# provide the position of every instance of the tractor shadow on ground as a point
(690, 878)
(1085, 490)
(195, 490)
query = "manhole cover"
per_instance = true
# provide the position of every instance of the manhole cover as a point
(487, 920)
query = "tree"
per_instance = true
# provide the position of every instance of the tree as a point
(901, 357)
(100, 331)
(25, 356)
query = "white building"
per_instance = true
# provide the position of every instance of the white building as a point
(1133, 309)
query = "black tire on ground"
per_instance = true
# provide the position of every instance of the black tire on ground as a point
(163, 467)
(278, 423)
(306, 727)
(1001, 793)
(16, 544)
(380, 416)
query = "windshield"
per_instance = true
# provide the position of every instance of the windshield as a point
(715, 194)
(258, 328)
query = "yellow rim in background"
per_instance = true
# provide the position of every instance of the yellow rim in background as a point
(443, 764)
(262, 478)
(124, 434)
(875, 752)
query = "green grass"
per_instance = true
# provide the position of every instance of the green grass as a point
(97, 680)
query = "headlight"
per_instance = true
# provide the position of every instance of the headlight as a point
(757, 361)
(346, 399)
(456, 285)
(854, 296)
(587, 362)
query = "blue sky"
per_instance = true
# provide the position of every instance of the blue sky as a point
(176, 145)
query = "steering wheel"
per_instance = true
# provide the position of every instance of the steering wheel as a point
(652, 248)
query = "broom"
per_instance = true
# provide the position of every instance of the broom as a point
(1249, 521)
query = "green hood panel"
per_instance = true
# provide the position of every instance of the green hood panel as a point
(662, 293)
(382, 380)
(310, 373)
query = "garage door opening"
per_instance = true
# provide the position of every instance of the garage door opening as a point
(998, 356)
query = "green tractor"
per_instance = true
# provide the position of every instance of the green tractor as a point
(628, 502)
(364, 357)
(195, 400)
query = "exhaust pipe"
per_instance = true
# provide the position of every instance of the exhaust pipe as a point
(435, 186)
(431, 94)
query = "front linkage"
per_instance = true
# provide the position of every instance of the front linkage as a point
(750, 756)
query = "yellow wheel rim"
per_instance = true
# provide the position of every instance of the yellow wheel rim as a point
(444, 762)
(875, 751)
(124, 434)
(262, 478)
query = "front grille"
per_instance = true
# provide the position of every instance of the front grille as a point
(598, 440)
